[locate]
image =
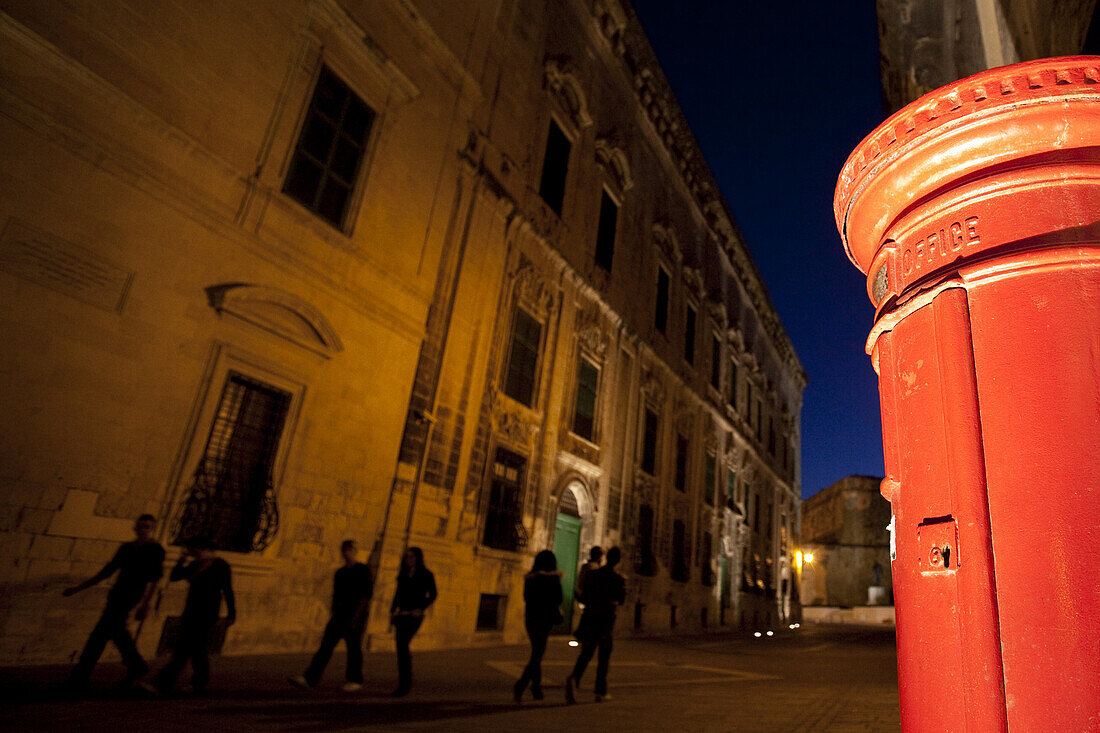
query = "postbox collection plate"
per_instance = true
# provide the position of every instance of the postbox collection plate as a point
(938, 543)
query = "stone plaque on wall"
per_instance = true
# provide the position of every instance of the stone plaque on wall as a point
(55, 263)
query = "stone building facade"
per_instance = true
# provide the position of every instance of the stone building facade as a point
(925, 45)
(405, 271)
(844, 528)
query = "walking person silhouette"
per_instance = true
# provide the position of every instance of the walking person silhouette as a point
(604, 590)
(352, 588)
(140, 564)
(415, 593)
(542, 595)
(210, 579)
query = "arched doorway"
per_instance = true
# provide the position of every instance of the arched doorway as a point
(567, 545)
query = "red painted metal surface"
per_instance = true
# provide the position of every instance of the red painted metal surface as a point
(975, 213)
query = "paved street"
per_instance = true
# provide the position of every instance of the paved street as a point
(817, 678)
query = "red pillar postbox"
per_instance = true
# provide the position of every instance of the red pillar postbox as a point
(975, 213)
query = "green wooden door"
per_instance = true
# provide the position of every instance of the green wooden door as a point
(567, 542)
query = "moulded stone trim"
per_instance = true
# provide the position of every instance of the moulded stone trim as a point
(664, 237)
(560, 79)
(332, 25)
(612, 158)
(279, 312)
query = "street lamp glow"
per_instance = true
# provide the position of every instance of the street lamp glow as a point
(574, 642)
(770, 633)
(756, 634)
(809, 557)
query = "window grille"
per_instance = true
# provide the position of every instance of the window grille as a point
(504, 518)
(232, 494)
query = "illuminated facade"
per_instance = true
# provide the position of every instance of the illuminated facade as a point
(423, 273)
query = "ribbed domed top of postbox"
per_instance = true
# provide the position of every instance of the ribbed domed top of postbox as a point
(974, 127)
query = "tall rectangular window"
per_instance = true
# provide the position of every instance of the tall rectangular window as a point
(748, 401)
(232, 499)
(605, 232)
(584, 410)
(705, 552)
(679, 567)
(681, 462)
(708, 487)
(645, 563)
(555, 165)
(689, 335)
(523, 357)
(660, 317)
(504, 517)
(733, 384)
(649, 443)
(330, 150)
(715, 363)
(731, 485)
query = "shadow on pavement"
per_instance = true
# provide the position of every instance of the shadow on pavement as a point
(323, 715)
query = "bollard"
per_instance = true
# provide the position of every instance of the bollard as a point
(975, 214)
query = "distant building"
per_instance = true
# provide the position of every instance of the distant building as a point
(925, 45)
(449, 274)
(844, 528)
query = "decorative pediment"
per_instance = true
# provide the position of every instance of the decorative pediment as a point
(653, 389)
(560, 79)
(717, 311)
(531, 290)
(614, 161)
(645, 487)
(693, 279)
(667, 243)
(591, 337)
(513, 427)
(736, 340)
(710, 440)
(611, 21)
(278, 312)
(684, 419)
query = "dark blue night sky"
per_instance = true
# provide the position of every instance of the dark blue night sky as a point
(778, 95)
